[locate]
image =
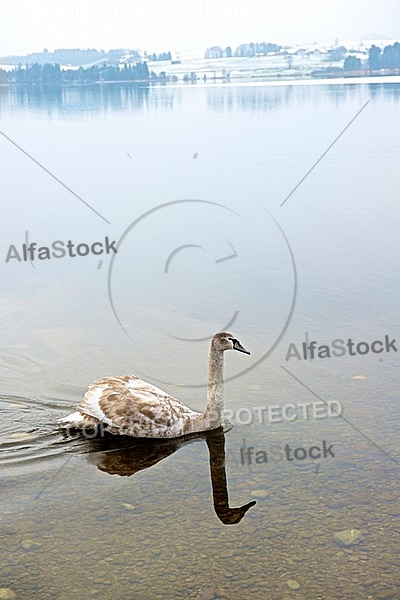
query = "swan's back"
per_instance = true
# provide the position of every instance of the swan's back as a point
(130, 406)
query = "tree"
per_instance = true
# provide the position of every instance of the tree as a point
(214, 52)
(391, 56)
(374, 58)
(253, 49)
(352, 63)
(396, 55)
(338, 53)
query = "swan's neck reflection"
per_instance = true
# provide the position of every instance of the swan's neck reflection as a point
(216, 447)
(125, 457)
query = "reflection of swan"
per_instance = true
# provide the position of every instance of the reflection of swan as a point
(128, 405)
(118, 456)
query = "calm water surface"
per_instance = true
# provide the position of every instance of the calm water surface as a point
(190, 183)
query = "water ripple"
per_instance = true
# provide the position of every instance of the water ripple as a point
(29, 433)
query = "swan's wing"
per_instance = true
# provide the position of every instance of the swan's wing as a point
(137, 408)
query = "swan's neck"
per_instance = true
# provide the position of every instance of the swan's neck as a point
(215, 390)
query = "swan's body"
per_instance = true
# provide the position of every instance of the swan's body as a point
(127, 405)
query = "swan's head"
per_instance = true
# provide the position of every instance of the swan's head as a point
(227, 341)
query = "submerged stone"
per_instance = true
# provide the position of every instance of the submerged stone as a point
(259, 493)
(23, 435)
(293, 584)
(7, 594)
(29, 544)
(348, 537)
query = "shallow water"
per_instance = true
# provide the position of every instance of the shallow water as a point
(114, 519)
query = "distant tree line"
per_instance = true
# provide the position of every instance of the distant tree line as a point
(388, 58)
(64, 56)
(49, 74)
(218, 52)
(157, 57)
(252, 49)
(256, 49)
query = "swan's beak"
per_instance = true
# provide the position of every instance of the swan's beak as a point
(238, 346)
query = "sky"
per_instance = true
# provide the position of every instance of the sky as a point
(188, 26)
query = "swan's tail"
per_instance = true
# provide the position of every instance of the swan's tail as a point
(75, 419)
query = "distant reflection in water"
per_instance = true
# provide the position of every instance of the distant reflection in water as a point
(124, 456)
(106, 99)
(85, 99)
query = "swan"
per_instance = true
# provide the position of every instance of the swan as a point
(127, 405)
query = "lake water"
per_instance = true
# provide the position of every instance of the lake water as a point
(194, 186)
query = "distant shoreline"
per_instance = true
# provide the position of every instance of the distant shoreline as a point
(222, 82)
